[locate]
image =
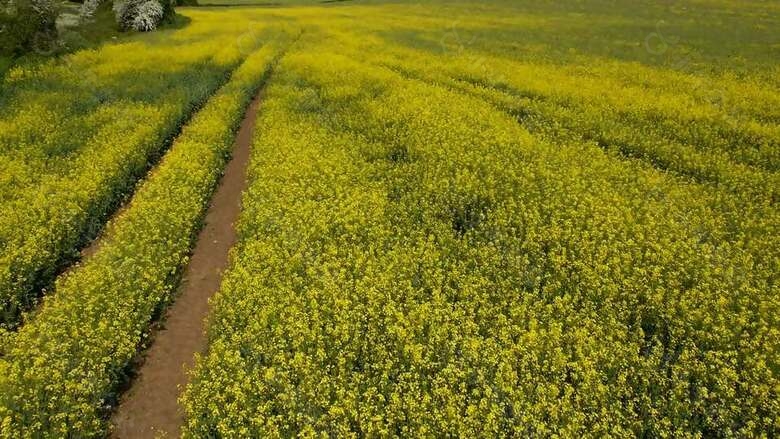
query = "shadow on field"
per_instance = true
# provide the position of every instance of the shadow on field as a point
(242, 5)
(260, 4)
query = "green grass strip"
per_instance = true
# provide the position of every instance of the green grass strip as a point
(60, 372)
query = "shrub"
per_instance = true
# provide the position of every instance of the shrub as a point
(27, 25)
(142, 15)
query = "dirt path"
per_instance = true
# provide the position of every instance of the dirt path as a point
(149, 408)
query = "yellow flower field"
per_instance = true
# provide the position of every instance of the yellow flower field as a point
(471, 219)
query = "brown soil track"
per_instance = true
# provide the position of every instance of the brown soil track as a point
(149, 408)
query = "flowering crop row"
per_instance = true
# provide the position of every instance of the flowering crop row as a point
(744, 195)
(473, 219)
(75, 136)
(725, 143)
(59, 372)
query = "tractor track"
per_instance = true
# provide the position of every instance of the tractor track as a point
(150, 407)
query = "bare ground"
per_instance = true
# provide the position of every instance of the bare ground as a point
(149, 408)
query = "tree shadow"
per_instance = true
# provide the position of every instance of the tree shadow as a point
(178, 22)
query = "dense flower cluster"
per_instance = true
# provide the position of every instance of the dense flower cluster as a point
(416, 259)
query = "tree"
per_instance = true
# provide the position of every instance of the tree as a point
(27, 25)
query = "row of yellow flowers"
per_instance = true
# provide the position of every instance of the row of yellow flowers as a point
(77, 133)
(60, 371)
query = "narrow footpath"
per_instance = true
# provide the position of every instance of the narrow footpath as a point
(149, 408)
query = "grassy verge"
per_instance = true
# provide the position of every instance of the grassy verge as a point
(59, 372)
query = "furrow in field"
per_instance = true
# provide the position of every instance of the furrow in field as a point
(60, 373)
(703, 112)
(737, 213)
(681, 132)
(632, 136)
(150, 407)
(745, 142)
(114, 109)
(749, 210)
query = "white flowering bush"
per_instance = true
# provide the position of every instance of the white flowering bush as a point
(139, 15)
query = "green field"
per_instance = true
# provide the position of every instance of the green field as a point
(470, 218)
